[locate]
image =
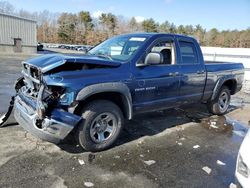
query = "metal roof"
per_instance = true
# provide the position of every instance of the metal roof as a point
(17, 17)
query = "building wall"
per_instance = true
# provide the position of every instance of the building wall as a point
(15, 27)
(25, 49)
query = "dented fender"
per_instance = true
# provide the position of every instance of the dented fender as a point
(118, 87)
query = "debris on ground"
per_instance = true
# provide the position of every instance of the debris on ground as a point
(149, 162)
(213, 125)
(81, 162)
(220, 163)
(140, 142)
(182, 138)
(207, 169)
(117, 157)
(5, 116)
(179, 143)
(196, 146)
(232, 185)
(91, 158)
(88, 184)
(141, 155)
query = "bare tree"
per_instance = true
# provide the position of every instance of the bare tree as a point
(81, 28)
(6, 7)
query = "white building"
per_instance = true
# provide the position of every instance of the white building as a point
(17, 34)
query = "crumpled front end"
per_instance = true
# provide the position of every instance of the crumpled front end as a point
(36, 109)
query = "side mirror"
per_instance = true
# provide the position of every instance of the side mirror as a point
(153, 58)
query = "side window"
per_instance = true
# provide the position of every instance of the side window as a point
(188, 53)
(166, 48)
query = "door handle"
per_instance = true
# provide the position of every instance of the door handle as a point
(173, 74)
(200, 72)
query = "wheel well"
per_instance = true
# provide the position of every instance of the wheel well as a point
(115, 97)
(231, 84)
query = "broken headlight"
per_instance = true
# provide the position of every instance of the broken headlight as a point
(242, 168)
(67, 98)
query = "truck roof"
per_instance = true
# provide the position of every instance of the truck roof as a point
(157, 35)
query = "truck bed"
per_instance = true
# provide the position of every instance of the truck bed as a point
(217, 66)
(218, 70)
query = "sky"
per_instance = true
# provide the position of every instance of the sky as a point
(220, 14)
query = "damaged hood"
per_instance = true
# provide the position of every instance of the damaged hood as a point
(48, 62)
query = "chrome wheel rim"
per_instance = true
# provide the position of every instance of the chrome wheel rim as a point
(223, 101)
(103, 127)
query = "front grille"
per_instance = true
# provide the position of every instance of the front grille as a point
(34, 72)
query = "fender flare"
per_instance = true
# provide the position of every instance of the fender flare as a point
(109, 87)
(220, 83)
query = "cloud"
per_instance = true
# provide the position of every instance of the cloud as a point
(97, 13)
(111, 8)
(139, 18)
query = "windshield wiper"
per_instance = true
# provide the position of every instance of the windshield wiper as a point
(102, 56)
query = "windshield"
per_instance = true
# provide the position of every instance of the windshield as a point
(119, 48)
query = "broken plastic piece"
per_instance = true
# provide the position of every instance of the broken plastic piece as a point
(220, 163)
(213, 126)
(5, 116)
(207, 169)
(81, 162)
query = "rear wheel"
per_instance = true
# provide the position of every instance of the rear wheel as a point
(101, 125)
(220, 104)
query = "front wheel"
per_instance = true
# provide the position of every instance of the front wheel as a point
(220, 104)
(101, 125)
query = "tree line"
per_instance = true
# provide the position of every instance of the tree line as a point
(82, 28)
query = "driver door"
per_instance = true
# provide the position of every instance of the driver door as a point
(157, 86)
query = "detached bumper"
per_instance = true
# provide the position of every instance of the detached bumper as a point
(53, 129)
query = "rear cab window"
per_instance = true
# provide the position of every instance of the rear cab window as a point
(188, 53)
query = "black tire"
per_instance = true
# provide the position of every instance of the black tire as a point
(92, 129)
(215, 106)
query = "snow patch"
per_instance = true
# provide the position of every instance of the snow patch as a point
(196, 146)
(88, 184)
(149, 162)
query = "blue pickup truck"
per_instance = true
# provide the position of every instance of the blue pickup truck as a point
(92, 94)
